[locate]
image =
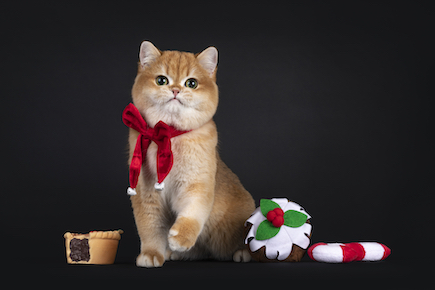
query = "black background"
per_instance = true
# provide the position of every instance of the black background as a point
(326, 103)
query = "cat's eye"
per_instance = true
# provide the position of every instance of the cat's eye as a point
(191, 83)
(162, 80)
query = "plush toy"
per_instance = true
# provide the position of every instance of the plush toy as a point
(278, 230)
(345, 253)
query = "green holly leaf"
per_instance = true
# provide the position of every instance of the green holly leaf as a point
(266, 231)
(294, 219)
(267, 205)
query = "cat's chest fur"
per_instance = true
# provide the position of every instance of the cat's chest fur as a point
(190, 152)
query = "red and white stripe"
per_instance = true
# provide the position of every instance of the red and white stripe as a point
(370, 251)
(331, 253)
(345, 253)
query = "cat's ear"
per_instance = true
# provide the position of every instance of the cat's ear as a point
(208, 59)
(148, 53)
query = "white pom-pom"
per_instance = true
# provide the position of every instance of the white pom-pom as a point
(131, 191)
(159, 186)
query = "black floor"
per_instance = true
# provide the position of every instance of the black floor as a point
(392, 273)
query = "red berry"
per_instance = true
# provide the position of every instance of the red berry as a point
(276, 217)
(278, 221)
(279, 211)
(271, 215)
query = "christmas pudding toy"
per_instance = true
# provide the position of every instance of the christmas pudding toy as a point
(345, 253)
(96, 247)
(278, 231)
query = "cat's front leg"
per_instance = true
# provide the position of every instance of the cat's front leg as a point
(151, 230)
(183, 234)
(193, 207)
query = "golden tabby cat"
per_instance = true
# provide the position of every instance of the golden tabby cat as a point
(201, 210)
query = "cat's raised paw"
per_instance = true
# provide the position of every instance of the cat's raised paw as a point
(150, 259)
(242, 256)
(179, 242)
(183, 234)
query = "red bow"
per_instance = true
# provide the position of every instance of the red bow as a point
(161, 134)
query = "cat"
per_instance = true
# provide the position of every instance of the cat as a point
(201, 211)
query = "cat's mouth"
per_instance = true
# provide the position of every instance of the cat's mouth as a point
(175, 99)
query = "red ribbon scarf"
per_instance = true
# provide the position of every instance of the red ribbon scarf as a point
(161, 134)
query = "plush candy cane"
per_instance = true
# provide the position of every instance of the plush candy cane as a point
(331, 253)
(370, 251)
(345, 253)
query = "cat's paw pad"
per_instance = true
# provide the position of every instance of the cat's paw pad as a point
(150, 259)
(242, 256)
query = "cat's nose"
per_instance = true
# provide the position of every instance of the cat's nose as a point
(175, 92)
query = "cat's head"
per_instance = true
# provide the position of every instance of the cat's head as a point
(178, 88)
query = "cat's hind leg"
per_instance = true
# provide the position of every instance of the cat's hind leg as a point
(242, 256)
